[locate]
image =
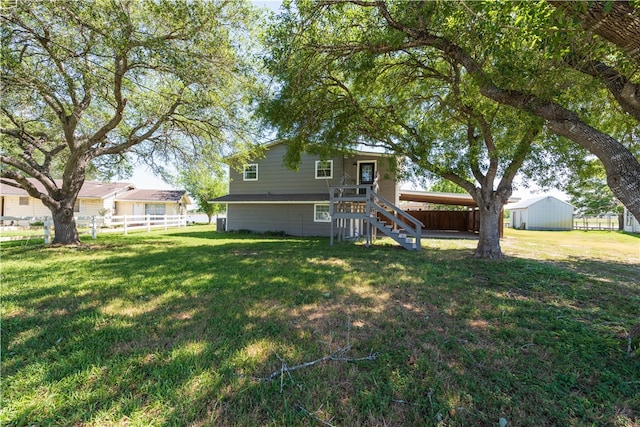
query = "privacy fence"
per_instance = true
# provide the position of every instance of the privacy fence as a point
(25, 228)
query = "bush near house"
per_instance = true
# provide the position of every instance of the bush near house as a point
(193, 327)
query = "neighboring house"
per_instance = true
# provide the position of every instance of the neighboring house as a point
(152, 202)
(267, 196)
(541, 213)
(96, 198)
(631, 223)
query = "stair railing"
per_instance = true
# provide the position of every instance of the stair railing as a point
(376, 203)
(344, 204)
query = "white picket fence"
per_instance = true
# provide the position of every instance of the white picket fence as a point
(41, 227)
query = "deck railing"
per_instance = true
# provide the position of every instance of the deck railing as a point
(371, 212)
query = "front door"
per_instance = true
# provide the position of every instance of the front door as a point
(366, 174)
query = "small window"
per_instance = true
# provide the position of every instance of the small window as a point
(79, 206)
(251, 172)
(321, 213)
(154, 208)
(324, 169)
(24, 201)
(629, 219)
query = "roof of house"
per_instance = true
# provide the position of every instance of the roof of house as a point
(370, 152)
(90, 189)
(100, 190)
(523, 204)
(155, 195)
(272, 198)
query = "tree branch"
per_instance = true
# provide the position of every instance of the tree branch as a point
(134, 140)
(522, 151)
(337, 356)
(26, 185)
(625, 92)
(616, 21)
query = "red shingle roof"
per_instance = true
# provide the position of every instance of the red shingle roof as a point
(155, 195)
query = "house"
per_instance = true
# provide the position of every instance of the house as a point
(98, 198)
(541, 213)
(631, 223)
(349, 195)
(267, 196)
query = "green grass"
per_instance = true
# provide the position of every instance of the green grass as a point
(176, 327)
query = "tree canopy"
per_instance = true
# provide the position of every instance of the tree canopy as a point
(96, 84)
(364, 72)
(589, 194)
(533, 57)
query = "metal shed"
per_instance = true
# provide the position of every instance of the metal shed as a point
(541, 213)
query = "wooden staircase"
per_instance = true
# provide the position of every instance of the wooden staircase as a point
(358, 210)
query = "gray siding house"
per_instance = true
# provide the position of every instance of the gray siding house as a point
(267, 196)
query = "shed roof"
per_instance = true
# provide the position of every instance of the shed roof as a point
(456, 199)
(523, 204)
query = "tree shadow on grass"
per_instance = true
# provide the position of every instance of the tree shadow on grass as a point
(174, 334)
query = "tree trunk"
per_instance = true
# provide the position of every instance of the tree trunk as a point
(615, 21)
(489, 237)
(620, 221)
(66, 232)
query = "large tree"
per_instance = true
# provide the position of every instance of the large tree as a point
(411, 103)
(530, 56)
(93, 84)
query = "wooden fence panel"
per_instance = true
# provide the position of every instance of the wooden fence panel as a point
(446, 220)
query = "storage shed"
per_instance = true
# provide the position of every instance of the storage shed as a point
(541, 213)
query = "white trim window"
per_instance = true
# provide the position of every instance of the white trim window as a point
(629, 218)
(324, 169)
(23, 201)
(321, 213)
(155, 209)
(250, 172)
(80, 206)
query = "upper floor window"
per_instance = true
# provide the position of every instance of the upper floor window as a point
(324, 169)
(251, 172)
(24, 201)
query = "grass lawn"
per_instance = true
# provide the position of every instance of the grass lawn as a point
(184, 327)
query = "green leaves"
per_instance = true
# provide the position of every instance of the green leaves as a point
(166, 77)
